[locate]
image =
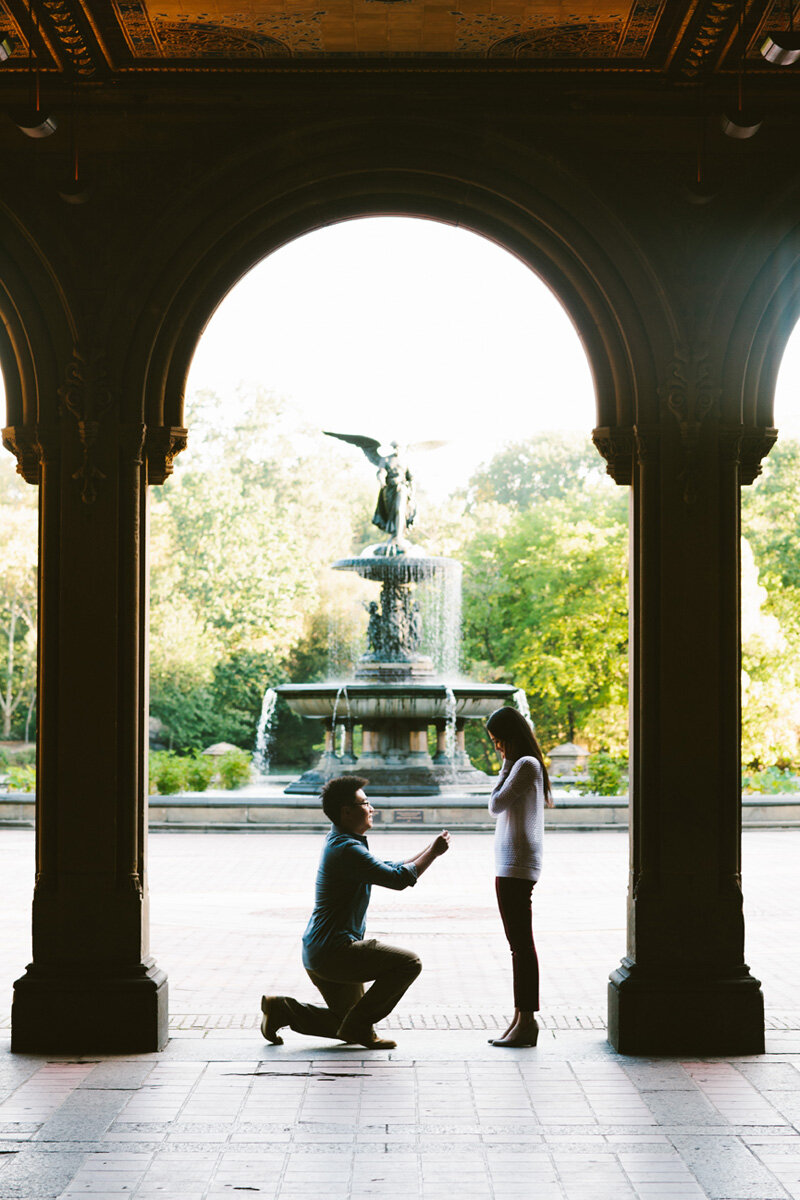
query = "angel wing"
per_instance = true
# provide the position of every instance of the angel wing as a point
(369, 445)
(428, 446)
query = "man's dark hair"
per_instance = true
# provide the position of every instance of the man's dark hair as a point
(338, 792)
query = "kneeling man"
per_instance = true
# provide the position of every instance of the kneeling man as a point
(336, 956)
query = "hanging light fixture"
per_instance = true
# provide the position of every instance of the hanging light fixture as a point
(74, 190)
(782, 47)
(32, 121)
(6, 47)
(742, 122)
(698, 190)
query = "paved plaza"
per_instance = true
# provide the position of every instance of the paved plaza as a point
(221, 1113)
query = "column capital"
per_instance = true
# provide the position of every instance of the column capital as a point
(162, 444)
(33, 445)
(21, 440)
(617, 444)
(756, 443)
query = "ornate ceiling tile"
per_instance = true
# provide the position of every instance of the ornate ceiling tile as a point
(202, 31)
(89, 38)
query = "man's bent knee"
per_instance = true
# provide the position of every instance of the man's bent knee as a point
(412, 966)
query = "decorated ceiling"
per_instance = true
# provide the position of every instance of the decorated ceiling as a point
(99, 38)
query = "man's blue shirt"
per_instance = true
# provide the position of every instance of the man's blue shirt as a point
(346, 873)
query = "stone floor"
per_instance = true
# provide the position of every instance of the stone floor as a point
(221, 1113)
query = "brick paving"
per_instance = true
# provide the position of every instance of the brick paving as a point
(220, 1113)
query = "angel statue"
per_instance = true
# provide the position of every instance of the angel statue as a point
(396, 508)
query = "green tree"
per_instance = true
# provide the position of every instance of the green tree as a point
(545, 606)
(242, 539)
(549, 466)
(771, 518)
(18, 551)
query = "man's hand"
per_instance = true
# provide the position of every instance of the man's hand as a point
(439, 846)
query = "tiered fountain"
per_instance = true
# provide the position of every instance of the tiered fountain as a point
(398, 694)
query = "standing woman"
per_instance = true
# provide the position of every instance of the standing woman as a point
(518, 802)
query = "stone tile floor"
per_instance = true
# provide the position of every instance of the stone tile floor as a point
(220, 1113)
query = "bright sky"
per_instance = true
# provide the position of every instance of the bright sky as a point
(403, 329)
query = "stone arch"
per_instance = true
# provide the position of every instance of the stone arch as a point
(761, 329)
(38, 328)
(580, 250)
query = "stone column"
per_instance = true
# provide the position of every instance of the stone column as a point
(684, 986)
(92, 986)
(347, 754)
(441, 742)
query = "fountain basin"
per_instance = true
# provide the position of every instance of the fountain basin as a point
(359, 702)
(412, 566)
(394, 719)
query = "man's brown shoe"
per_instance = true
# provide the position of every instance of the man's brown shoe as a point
(364, 1037)
(276, 1015)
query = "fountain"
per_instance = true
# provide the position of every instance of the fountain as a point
(398, 693)
(264, 731)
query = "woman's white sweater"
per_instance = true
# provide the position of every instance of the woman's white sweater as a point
(518, 804)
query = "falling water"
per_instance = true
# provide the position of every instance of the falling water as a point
(344, 724)
(521, 701)
(264, 731)
(439, 596)
(450, 728)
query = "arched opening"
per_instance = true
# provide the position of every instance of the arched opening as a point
(439, 335)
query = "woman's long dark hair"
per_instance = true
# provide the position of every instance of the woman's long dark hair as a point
(518, 740)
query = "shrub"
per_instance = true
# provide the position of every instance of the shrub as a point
(3, 760)
(234, 769)
(199, 771)
(606, 775)
(771, 781)
(22, 778)
(167, 773)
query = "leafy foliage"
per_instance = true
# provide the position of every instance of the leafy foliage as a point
(18, 550)
(546, 600)
(167, 773)
(242, 538)
(552, 466)
(235, 768)
(199, 772)
(606, 775)
(771, 611)
(772, 781)
(21, 778)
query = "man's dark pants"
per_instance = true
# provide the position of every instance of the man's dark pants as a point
(340, 976)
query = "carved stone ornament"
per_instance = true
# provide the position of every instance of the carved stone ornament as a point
(32, 445)
(162, 444)
(618, 447)
(86, 396)
(21, 440)
(755, 445)
(690, 398)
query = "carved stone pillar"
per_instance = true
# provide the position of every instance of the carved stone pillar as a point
(92, 986)
(684, 986)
